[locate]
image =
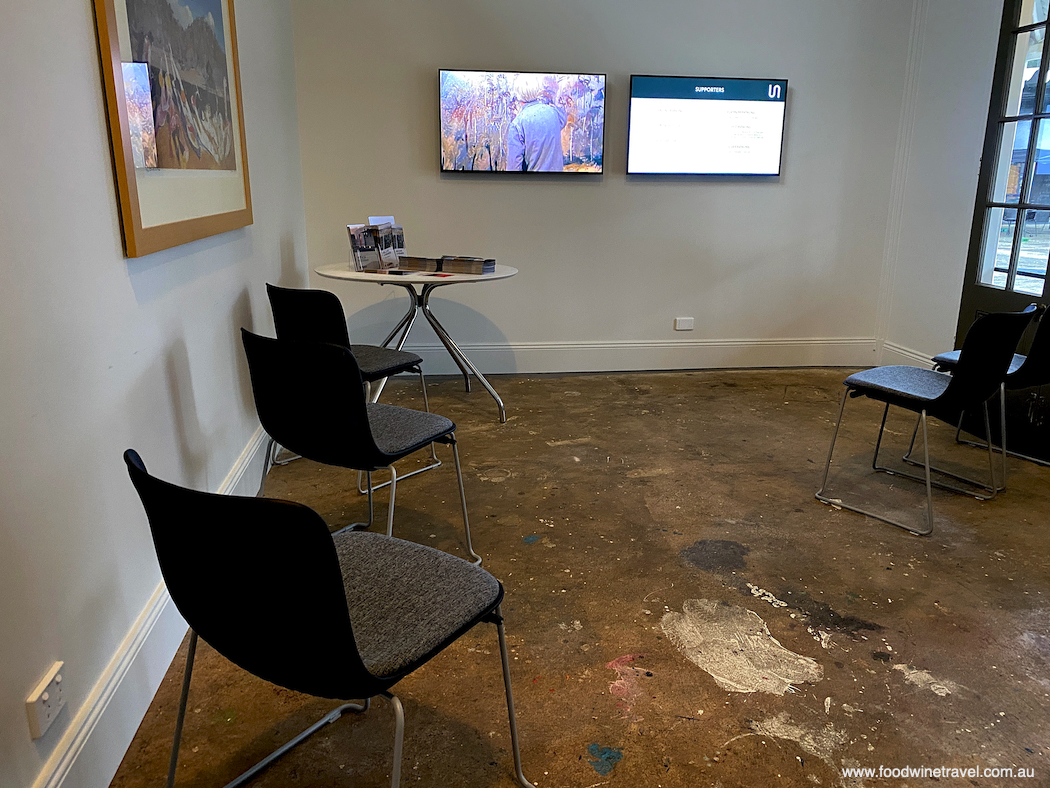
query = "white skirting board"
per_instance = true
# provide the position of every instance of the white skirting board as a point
(898, 354)
(623, 356)
(95, 742)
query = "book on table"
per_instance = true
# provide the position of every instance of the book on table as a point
(409, 263)
(467, 265)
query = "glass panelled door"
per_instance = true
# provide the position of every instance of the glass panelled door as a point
(1010, 237)
(1010, 244)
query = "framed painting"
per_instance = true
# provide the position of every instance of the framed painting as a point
(173, 97)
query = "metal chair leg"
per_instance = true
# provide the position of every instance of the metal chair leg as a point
(992, 486)
(182, 708)
(371, 511)
(329, 718)
(505, 659)
(393, 493)
(1002, 427)
(361, 489)
(926, 466)
(463, 499)
(1002, 423)
(267, 464)
(821, 494)
(426, 407)
(399, 738)
(831, 449)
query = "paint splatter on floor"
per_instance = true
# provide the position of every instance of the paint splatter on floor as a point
(765, 596)
(925, 680)
(734, 646)
(531, 539)
(626, 685)
(820, 743)
(605, 758)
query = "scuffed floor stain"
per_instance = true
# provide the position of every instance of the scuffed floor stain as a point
(626, 685)
(820, 743)
(496, 475)
(734, 646)
(605, 758)
(765, 596)
(716, 555)
(925, 680)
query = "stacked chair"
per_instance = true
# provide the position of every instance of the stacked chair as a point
(306, 315)
(343, 617)
(310, 399)
(980, 370)
(1026, 371)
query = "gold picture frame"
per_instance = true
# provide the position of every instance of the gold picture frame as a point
(198, 183)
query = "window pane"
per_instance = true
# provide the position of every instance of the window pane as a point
(1032, 255)
(1028, 284)
(1009, 170)
(1024, 76)
(1039, 188)
(1033, 12)
(998, 243)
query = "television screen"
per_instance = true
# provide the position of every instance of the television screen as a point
(705, 126)
(509, 121)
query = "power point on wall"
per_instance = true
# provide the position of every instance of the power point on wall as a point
(45, 701)
(683, 324)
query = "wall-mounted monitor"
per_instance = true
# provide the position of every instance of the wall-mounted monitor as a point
(511, 121)
(705, 126)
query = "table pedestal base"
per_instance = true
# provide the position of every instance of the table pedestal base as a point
(420, 302)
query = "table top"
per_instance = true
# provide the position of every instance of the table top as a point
(344, 271)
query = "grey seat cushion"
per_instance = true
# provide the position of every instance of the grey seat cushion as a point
(399, 430)
(900, 382)
(378, 362)
(948, 361)
(408, 601)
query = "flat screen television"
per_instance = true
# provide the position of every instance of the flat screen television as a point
(512, 121)
(705, 126)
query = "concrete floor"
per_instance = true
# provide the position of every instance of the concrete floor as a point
(681, 611)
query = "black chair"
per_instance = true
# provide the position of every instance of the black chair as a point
(305, 315)
(1026, 371)
(983, 363)
(310, 400)
(267, 586)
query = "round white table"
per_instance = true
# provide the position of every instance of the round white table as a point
(420, 302)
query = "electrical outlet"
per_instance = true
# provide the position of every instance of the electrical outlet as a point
(683, 324)
(46, 701)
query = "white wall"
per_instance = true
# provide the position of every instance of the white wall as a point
(775, 272)
(99, 353)
(939, 155)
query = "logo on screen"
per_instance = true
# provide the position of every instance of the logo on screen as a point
(774, 91)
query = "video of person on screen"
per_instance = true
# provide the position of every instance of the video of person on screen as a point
(522, 122)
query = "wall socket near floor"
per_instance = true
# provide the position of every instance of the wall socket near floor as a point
(46, 701)
(683, 324)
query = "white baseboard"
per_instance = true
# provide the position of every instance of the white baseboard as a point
(98, 737)
(244, 476)
(540, 357)
(898, 354)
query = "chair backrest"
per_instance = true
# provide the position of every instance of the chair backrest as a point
(310, 399)
(984, 358)
(308, 315)
(259, 580)
(1035, 371)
